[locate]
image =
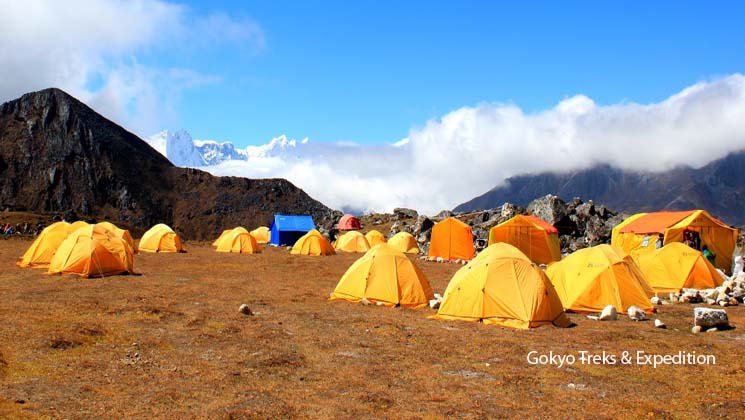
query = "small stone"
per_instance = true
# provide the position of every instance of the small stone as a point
(636, 313)
(696, 329)
(364, 301)
(659, 324)
(609, 313)
(724, 303)
(593, 317)
(712, 329)
(655, 300)
(439, 259)
(733, 302)
(245, 309)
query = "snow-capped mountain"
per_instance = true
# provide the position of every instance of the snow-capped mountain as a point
(182, 150)
(178, 147)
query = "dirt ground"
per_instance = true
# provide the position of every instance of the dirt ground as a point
(171, 344)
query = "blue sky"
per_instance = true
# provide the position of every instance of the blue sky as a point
(370, 71)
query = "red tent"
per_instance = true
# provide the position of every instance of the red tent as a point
(348, 222)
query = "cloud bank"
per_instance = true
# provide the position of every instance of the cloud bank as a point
(90, 48)
(470, 150)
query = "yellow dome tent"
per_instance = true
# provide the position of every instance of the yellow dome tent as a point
(40, 253)
(262, 234)
(384, 275)
(536, 238)
(161, 238)
(119, 233)
(404, 242)
(451, 240)
(374, 238)
(501, 286)
(676, 266)
(312, 243)
(592, 278)
(352, 241)
(93, 252)
(224, 235)
(638, 234)
(239, 241)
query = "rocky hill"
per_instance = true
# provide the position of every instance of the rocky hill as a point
(58, 155)
(718, 187)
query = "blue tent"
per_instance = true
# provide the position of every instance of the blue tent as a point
(285, 230)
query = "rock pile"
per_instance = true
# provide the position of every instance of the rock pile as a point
(580, 224)
(730, 293)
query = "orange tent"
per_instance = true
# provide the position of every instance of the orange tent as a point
(312, 243)
(502, 286)
(239, 241)
(262, 234)
(40, 253)
(536, 238)
(591, 278)
(375, 238)
(352, 241)
(161, 238)
(451, 240)
(384, 275)
(120, 233)
(638, 233)
(676, 266)
(404, 242)
(93, 252)
(348, 222)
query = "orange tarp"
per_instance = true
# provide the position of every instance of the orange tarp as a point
(655, 222)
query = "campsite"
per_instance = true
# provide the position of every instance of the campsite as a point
(128, 345)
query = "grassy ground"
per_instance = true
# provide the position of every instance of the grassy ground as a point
(171, 344)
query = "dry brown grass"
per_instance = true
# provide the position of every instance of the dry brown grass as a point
(171, 344)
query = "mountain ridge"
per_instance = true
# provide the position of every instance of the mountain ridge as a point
(717, 187)
(59, 155)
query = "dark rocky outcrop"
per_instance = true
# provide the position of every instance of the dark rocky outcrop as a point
(718, 187)
(59, 156)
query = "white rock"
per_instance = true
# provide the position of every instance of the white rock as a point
(659, 324)
(245, 309)
(708, 317)
(439, 259)
(655, 300)
(609, 313)
(364, 301)
(593, 317)
(710, 293)
(696, 329)
(710, 301)
(712, 329)
(636, 313)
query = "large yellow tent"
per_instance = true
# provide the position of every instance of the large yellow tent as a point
(676, 266)
(638, 233)
(536, 238)
(40, 253)
(239, 241)
(502, 286)
(387, 276)
(451, 240)
(592, 278)
(352, 241)
(224, 235)
(262, 234)
(161, 238)
(312, 243)
(93, 252)
(120, 233)
(374, 238)
(404, 242)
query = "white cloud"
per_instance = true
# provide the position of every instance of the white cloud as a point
(91, 49)
(470, 150)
